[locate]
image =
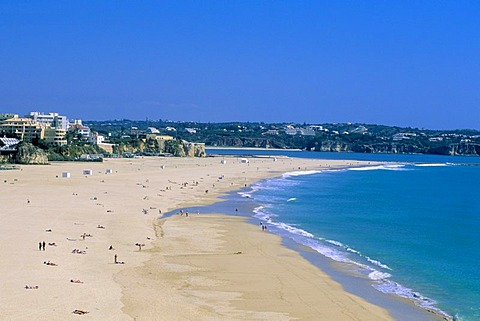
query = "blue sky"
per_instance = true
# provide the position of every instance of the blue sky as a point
(406, 63)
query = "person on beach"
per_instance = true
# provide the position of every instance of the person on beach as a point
(39, 246)
(115, 259)
(43, 245)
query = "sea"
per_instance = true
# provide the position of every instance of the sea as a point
(410, 229)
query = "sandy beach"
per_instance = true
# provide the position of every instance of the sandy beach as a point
(107, 256)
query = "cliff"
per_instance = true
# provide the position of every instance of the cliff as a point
(176, 147)
(29, 154)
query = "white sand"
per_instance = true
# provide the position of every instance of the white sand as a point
(185, 271)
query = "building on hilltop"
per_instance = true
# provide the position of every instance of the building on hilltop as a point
(152, 130)
(291, 131)
(271, 132)
(307, 132)
(55, 136)
(28, 129)
(53, 120)
(24, 128)
(96, 139)
(80, 129)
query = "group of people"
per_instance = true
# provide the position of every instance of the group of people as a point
(41, 246)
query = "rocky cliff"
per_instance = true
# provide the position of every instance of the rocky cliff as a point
(332, 145)
(175, 147)
(30, 154)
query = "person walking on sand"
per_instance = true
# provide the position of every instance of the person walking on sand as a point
(43, 245)
(39, 246)
(115, 259)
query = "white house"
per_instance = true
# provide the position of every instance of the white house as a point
(152, 130)
(97, 139)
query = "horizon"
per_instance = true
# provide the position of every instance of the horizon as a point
(392, 64)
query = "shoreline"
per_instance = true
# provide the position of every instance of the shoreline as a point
(120, 210)
(399, 307)
(254, 148)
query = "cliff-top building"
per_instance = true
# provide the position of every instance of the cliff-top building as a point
(53, 120)
(24, 128)
(51, 127)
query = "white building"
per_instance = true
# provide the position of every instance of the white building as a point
(96, 139)
(270, 132)
(307, 132)
(82, 130)
(291, 131)
(53, 120)
(152, 130)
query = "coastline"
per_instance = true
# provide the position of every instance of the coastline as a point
(253, 148)
(121, 209)
(399, 308)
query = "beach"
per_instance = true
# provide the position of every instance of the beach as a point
(108, 256)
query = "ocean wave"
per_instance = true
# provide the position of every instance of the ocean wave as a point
(335, 243)
(245, 195)
(262, 214)
(393, 167)
(291, 229)
(377, 275)
(391, 287)
(292, 199)
(349, 249)
(300, 173)
(381, 279)
(378, 263)
(432, 165)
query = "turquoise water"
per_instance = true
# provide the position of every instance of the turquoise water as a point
(413, 229)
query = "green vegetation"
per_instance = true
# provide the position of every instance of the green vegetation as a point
(75, 147)
(363, 138)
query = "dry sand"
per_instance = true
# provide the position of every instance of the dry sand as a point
(201, 267)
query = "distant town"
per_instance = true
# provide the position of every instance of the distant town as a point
(61, 138)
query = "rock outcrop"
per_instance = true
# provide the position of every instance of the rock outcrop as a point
(30, 154)
(193, 149)
(176, 147)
